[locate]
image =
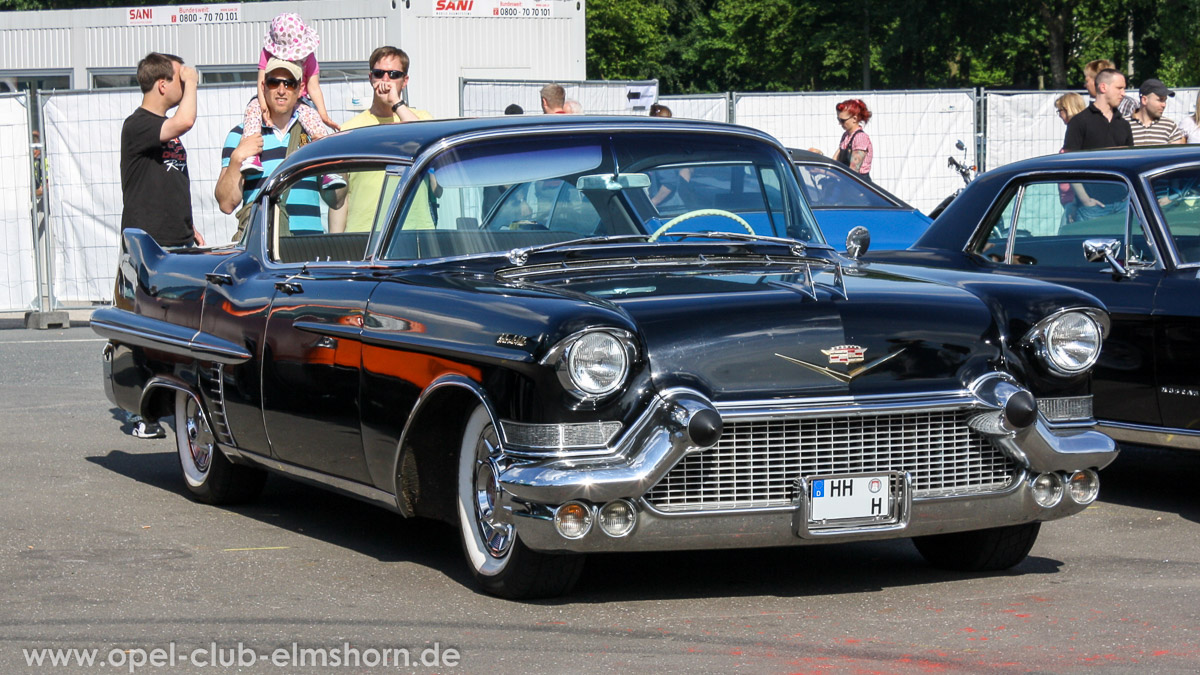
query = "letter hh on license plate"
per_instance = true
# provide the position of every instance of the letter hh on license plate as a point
(850, 498)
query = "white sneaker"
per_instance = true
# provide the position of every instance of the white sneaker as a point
(144, 429)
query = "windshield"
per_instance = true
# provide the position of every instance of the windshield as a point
(499, 195)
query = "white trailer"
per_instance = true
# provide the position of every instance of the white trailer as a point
(445, 39)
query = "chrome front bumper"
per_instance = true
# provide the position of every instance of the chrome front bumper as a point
(661, 439)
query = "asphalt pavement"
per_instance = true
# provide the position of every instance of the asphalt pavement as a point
(102, 549)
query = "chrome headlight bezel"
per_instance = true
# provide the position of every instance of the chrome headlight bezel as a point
(567, 359)
(1044, 338)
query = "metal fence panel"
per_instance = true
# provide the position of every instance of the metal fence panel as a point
(912, 133)
(18, 272)
(1025, 124)
(711, 107)
(83, 139)
(489, 98)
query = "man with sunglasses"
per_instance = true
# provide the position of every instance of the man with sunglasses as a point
(388, 76)
(282, 85)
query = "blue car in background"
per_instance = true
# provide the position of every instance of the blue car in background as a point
(840, 200)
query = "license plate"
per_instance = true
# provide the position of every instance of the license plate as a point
(850, 498)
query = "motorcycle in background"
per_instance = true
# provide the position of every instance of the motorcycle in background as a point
(967, 172)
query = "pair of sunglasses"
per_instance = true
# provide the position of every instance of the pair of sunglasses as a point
(273, 82)
(378, 74)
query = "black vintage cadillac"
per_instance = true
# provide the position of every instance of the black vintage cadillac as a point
(567, 335)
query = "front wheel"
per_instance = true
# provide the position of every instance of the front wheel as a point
(208, 473)
(500, 562)
(998, 548)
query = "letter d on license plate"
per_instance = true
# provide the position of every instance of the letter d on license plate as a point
(842, 499)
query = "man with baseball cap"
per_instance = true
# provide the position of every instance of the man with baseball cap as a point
(1148, 125)
(282, 86)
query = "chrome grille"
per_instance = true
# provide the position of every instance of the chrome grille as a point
(756, 462)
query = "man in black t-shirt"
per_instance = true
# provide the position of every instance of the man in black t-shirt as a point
(1100, 125)
(154, 175)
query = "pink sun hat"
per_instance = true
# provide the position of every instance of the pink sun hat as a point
(289, 39)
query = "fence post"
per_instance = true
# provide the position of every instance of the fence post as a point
(45, 316)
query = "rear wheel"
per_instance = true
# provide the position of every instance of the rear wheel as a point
(981, 550)
(208, 473)
(500, 562)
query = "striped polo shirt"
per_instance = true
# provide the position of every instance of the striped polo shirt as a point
(1160, 132)
(304, 197)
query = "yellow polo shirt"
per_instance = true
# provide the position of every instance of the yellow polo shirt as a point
(364, 188)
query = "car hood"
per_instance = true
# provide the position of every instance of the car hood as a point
(798, 329)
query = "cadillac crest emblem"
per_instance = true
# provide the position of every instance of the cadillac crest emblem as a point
(845, 354)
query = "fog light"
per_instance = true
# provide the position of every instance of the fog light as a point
(1047, 490)
(1084, 486)
(573, 520)
(617, 518)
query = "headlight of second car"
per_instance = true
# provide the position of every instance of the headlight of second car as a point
(593, 363)
(1069, 342)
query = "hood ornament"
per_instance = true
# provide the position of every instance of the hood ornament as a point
(843, 354)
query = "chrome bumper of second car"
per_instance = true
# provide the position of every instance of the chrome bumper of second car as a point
(766, 451)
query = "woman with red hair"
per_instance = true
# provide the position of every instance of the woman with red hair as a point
(855, 149)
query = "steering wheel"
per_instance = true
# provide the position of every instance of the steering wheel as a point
(695, 214)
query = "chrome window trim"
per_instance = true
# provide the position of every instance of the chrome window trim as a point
(1048, 175)
(1164, 226)
(264, 212)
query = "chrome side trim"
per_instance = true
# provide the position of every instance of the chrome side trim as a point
(1167, 437)
(133, 329)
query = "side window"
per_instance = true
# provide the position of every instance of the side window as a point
(826, 186)
(1046, 223)
(1178, 196)
(328, 217)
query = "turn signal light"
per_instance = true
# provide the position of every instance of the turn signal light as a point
(573, 520)
(1084, 486)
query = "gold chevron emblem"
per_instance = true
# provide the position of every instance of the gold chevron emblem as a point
(840, 377)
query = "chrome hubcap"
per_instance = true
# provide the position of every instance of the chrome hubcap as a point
(493, 531)
(200, 439)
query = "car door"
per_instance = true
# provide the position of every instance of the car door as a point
(1038, 230)
(312, 350)
(1176, 310)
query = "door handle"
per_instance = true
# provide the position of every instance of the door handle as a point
(289, 287)
(219, 279)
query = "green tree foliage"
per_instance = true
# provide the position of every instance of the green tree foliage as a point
(627, 39)
(797, 45)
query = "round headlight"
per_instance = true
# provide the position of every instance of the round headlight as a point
(1072, 342)
(597, 363)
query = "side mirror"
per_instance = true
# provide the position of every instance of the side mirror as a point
(1105, 250)
(858, 241)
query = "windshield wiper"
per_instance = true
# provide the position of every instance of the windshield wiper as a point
(797, 247)
(519, 256)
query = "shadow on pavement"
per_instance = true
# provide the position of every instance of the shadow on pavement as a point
(313, 512)
(1157, 479)
(373, 531)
